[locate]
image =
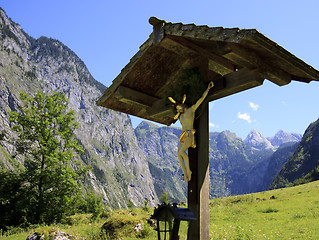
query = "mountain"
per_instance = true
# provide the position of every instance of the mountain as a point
(304, 162)
(236, 166)
(160, 147)
(120, 170)
(276, 162)
(130, 166)
(282, 137)
(257, 141)
(231, 162)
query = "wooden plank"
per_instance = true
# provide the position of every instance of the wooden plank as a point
(229, 84)
(287, 57)
(167, 112)
(160, 109)
(133, 97)
(218, 68)
(188, 49)
(164, 107)
(173, 78)
(251, 59)
(235, 82)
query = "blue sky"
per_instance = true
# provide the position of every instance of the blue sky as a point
(106, 34)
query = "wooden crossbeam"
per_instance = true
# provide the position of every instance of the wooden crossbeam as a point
(161, 109)
(133, 97)
(235, 82)
(188, 49)
(249, 58)
(231, 83)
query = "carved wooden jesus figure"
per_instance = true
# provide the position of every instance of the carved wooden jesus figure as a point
(186, 116)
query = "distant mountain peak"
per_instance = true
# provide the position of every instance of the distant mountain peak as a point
(282, 137)
(146, 125)
(257, 141)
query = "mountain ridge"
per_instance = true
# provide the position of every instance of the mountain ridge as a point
(303, 162)
(258, 141)
(235, 167)
(129, 165)
(119, 172)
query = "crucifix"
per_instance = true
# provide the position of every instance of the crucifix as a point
(186, 116)
(234, 59)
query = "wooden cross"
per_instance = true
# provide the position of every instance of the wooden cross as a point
(235, 59)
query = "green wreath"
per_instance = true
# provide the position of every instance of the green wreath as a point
(190, 82)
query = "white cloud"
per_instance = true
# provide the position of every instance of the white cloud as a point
(244, 116)
(254, 106)
(213, 125)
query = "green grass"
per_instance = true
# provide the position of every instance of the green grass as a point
(290, 213)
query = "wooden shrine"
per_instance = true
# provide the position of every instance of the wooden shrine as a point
(235, 59)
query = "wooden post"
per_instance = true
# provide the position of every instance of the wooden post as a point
(198, 187)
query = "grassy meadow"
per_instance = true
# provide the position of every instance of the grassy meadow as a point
(290, 213)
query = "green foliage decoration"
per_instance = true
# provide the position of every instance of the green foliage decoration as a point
(192, 83)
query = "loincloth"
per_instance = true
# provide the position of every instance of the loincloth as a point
(186, 134)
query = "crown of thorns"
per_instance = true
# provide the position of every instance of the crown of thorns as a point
(176, 103)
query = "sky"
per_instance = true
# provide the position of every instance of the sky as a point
(106, 34)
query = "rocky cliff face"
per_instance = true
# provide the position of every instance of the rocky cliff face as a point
(257, 141)
(160, 146)
(282, 137)
(120, 171)
(232, 164)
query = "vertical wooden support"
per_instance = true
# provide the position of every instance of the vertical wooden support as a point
(198, 187)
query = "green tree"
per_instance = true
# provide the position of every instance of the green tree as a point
(164, 198)
(51, 175)
(12, 199)
(93, 204)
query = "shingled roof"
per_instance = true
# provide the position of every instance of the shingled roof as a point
(236, 59)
